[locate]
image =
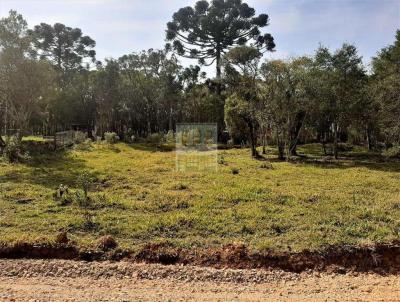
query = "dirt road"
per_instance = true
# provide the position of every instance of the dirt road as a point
(56, 280)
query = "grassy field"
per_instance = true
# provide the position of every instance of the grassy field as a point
(139, 198)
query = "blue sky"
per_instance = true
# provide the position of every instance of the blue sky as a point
(298, 26)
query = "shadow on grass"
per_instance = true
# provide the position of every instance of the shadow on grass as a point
(50, 169)
(370, 161)
(152, 147)
(312, 154)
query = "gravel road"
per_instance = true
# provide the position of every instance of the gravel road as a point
(58, 280)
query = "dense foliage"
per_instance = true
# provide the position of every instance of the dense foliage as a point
(50, 81)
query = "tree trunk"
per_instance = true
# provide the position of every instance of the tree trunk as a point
(264, 142)
(253, 141)
(335, 140)
(295, 133)
(293, 148)
(2, 142)
(281, 150)
(170, 127)
(369, 140)
(218, 73)
(218, 60)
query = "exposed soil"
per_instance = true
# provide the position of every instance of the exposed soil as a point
(63, 280)
(379, 259)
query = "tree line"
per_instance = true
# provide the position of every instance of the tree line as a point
(51, 81)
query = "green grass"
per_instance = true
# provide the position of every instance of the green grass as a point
(140, 198)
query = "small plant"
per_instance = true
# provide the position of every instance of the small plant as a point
(129, 136)
(84, 146)
(62, 238)
(170, 137)
(393, 152)
(13, 150)
(111, 137)
(235, 171)
(79, 137)
(155, 139)
(267, 166)
(221, 159)
(83, 200)
(345, 147)
(62, 195)
(313, 198)
(180, 186)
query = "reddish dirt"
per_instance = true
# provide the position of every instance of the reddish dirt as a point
(382, 258)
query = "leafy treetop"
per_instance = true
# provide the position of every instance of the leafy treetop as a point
(208, 30)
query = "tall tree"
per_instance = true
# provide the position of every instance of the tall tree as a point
(14, 34)
(64, 46)
(25, 83)
(208, 30)
(152, 86)
(285, 102)
(242, 105)
(385, 88)
(341, 80)
(107, 93)
(14, 44)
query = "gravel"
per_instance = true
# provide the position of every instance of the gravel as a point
(107, 269)
(62, 280)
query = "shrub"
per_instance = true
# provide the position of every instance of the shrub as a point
(62, 195)
(79, 137)
(155, 138)
(345, 147)
(84, 146)
(111, 137)
(267, 166)
(13, 150)
(170, 137)
(393, 152)
(221, 160)
(180, 186)
(129, 136)
(82, 199)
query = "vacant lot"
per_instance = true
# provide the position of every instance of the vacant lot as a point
(138, 197)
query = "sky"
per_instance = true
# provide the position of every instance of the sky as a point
(299, 26)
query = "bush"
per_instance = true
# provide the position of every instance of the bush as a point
(170, 137)
(13, 150)
(62, 195)
(221, 159)
(84, 146)
(345, 147)
(111, 137)
(129, 136)
(82, 199)
(393, 152)
(79, 137)
(267, 166)
(155, 139)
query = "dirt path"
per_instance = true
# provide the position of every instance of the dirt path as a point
(56, 280)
